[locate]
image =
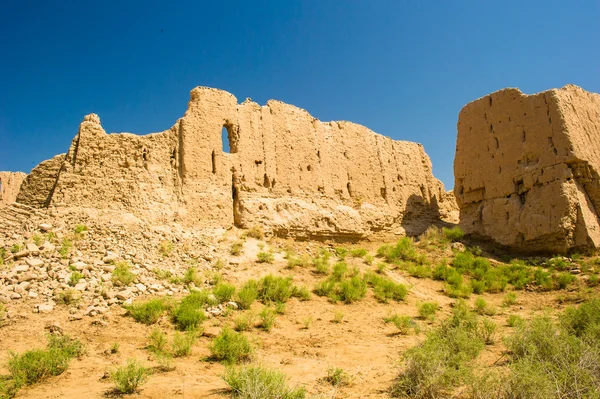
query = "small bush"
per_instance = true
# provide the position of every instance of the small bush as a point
(165, 248)
(265, 257)
(297, 261)
(483, 308)
(301, 292)
(189, 314)
(80, 228)
(340, 270)
(275, 289)
(157, 341)
(247, 294)
(510, 299)
(338, 317)
(404, 250)
(183, 342)
(402, 323)
(593, 280)
(243, 322)
(337, 377)
(562, 280)
(162, 274)
(352, 290)
(267, 318)
(193, 276)
(385, 289)
(514, 320)
(38, 364)
(130, 377)
(147, 312)
(231, 347)
(321, 262)
(122, 275)
(487, 331)
(256, 232)
(427, 310)
(224, 292)
(358, 252)
(69, 296)
(74, 279)
(236, 248)
(257, 382)
(420, 271)
(453, 234)
(65, 248)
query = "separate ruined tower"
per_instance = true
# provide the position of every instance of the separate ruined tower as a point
(527, 169)
(284, 170)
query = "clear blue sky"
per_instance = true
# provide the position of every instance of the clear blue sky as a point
(402, 68)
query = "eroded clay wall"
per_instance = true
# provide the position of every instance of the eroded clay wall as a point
(286, 171)
(11, 183)
(525, 168)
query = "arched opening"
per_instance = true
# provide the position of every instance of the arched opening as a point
(225, 139)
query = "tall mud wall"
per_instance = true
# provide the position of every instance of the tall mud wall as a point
(286, 171)
(526, 169)
(11, 183)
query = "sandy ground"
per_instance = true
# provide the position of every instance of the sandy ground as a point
(304, 343)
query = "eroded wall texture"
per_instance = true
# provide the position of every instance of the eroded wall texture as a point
(526, 169)
(285, 170)
(11, 183)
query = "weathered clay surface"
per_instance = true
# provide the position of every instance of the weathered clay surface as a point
(286, 171)
(11, 182)
(526, 169)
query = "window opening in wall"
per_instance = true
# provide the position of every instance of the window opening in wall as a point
(225, 140)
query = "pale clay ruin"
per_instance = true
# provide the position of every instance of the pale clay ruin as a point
(526, 172)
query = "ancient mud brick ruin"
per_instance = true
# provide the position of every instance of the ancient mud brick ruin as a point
(526, 169)
(11, 182)
(285, 171)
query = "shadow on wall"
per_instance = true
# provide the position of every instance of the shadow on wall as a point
(420, 215)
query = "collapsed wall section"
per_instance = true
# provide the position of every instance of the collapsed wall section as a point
(10, 183)
(526, 169)
(285, 170)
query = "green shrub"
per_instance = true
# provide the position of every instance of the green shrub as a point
(562, 280)
(297, 261)
(256, 232)
(130, 377)
(182, 343)
(402, 323)
(593, 280)
(583, 321)
(509, 299)
(193, 276)
(265, 257)
(236, 248)
(358, 252)
(558, 263)
(514, 320)
(74, 278)
(441, 271)
(487, 331)
(231, 347)
(369, 259)
(243, 322)
(224, 292)
(352, 290)
(257, 382)
(69, 296)
(404, 250)
(443, 360)
(122, 275)
(453, 234)
(420, 271)
(337, 377)
(80, 228)
(482, 307)
(325, 288)
(162, 274)
(157, 341)
(267, 318)
(301, 293)
(247, 294)
(321, 262)
(385, 289)
(38, 364)
(427, 310)
(340, 270)
(65, 248)
(341, 253)
(189, 314)
(147, 312)
(275, 289)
